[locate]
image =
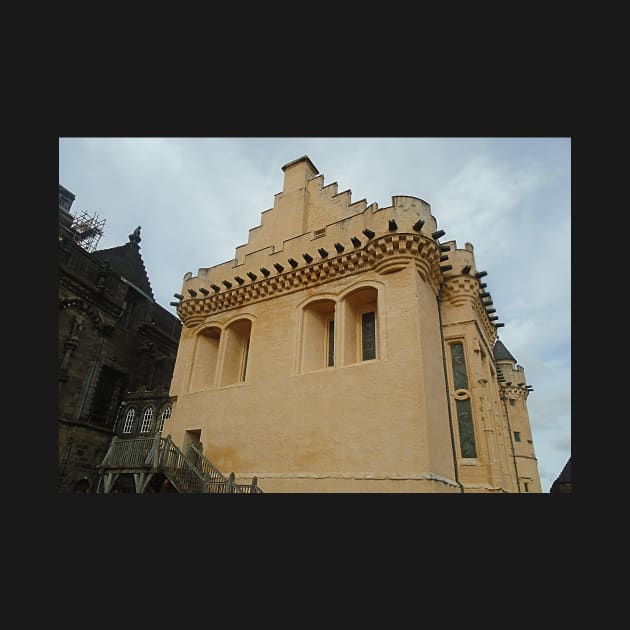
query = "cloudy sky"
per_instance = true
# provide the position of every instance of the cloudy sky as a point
(197, 198)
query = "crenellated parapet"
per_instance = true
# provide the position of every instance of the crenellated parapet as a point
(512, 380)
(514, 391)
(383, 254)
(463, 286)
(381, 239)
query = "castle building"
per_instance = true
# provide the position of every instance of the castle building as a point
(117, 348)
(347, 348)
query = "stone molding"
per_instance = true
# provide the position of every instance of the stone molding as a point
(357, 476)
(460, 290)
(385, 254)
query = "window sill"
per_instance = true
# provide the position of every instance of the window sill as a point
(231, 386)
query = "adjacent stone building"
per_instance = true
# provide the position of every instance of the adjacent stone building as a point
(347, 348)
(117, 349)
(563, 482)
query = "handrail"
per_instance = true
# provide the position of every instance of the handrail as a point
(206, 467)
(188, 474)
(128, 453)
(218, 482)
(181, 472)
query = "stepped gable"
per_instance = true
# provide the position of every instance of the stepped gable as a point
(304, 205)
(127, 261)
(501, 353)
(307, 211)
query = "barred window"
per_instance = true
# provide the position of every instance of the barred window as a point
(165, 415)
(128, 427)
(147, 420)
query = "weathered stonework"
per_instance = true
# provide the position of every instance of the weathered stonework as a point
(116, 348)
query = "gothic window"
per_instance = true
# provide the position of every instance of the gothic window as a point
(463, 406)
(165, 415)
(466, 430)
(460, 380)
(128, 426)
(147, 420)
(106, 396)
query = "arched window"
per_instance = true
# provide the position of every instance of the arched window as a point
(147, 420)
(205, 360)
(165, 415)
(237, 337)
(318, 335)
(360, 326)
(128, 426)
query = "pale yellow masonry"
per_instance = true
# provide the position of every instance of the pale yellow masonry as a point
(346, 349)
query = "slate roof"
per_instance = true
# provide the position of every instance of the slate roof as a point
(565, 475)
(501, 353)
(127, 261)
(563, 483)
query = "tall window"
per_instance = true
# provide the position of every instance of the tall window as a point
(330, 360)
(360, 326)
(205, 361)
(237, 336)
(517, 436)
(462, 403)
(165, 415)
(128, 426)
(107, 396)
(368, 335)
(318, 335)
(147, 420)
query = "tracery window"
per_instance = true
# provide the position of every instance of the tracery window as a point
(165, 415)
(128, 426)
(147, 420)
(463, 406)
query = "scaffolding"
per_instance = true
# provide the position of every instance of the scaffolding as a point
(87, 230)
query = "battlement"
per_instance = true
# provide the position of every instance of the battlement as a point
(341, 238)
(406, 211)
